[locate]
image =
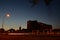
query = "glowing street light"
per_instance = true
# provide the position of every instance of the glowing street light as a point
(7, 16)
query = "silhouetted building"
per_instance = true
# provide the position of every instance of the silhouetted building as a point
(56, 30)
(47, 27)
(11, 30)
(34, 25)
(26, 30)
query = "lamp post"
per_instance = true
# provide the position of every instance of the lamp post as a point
(7, 16)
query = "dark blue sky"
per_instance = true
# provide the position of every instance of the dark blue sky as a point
(21, 12)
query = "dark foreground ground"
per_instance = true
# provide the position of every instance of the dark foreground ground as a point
(30, 37)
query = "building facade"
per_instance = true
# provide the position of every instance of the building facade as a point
(34, 25)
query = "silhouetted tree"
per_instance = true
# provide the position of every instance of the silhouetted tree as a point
(2, 30)
(34, 2)
(47, 2)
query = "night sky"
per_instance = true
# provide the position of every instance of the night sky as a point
(21, 12)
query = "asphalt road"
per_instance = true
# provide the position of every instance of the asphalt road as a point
(28, 37)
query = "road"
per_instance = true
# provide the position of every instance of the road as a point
(28, 37)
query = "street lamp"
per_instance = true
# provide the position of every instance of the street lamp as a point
(7, 16)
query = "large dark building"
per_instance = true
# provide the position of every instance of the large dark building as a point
(34, 25)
